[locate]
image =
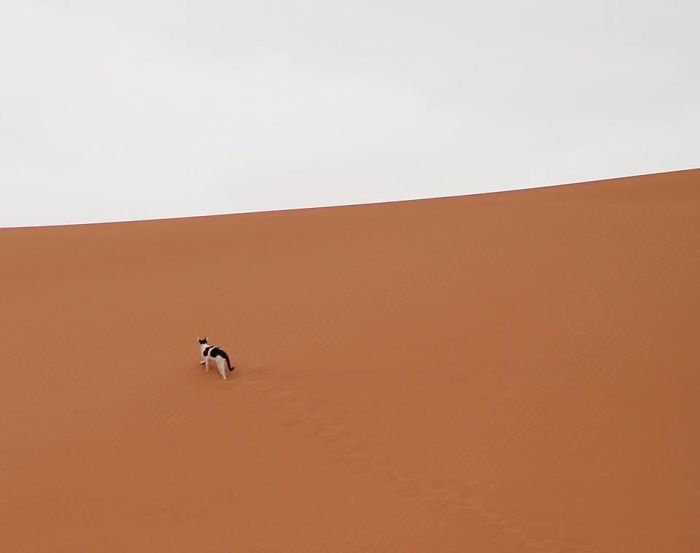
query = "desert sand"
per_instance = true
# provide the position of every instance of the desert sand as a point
(505, 372)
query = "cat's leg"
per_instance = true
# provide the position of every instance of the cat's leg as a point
(206, 364)
(220, 364)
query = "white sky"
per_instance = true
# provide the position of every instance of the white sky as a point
(136, 109)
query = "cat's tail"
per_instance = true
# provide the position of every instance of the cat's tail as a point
(228, 363)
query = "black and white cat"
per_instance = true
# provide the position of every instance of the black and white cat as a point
(216, 355)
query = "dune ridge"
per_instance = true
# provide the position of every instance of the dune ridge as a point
(496, 373)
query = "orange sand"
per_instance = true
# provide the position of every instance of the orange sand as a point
(496, 373)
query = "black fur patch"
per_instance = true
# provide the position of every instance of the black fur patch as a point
(218, 352)
(206, 351)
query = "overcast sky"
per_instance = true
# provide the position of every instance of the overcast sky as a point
(136, 109)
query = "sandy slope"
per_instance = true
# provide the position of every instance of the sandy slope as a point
(498, 373)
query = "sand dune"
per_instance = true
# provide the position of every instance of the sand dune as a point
(498, 373)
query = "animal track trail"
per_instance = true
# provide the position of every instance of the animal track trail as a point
(344, 447)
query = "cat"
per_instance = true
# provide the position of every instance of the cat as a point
(215, 354)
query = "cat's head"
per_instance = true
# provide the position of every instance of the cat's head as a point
(203, 341)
